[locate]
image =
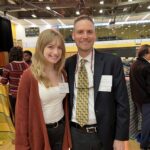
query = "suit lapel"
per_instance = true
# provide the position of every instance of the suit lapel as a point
(98, 68)
(72, 77)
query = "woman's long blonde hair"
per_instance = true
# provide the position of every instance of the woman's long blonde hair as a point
(39, 62)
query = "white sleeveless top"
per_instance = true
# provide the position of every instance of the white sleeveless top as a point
(52, 103)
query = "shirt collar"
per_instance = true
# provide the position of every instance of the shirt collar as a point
(87, 58)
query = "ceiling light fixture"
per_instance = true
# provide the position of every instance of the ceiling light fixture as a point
(23, 9)
(129, 0)
(48, 8)
(33, 15)
(101, 11)
(125, 9)
(77, 12)
(101, 2)
(11, 2)
(148, 7)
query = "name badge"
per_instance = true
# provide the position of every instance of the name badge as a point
(106, 83)
(63, 87)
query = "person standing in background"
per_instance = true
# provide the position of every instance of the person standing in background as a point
(42, 121)
(96, 82)
(12, 73)
(27, 56)
(140, 91)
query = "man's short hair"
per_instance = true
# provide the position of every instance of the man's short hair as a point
(143, 50)
(83, 17)
(27, 52)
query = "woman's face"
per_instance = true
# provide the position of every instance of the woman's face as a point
(53, 52)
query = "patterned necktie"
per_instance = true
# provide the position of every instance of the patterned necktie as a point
(82, 95)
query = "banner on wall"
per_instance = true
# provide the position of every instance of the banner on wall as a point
(32, 31)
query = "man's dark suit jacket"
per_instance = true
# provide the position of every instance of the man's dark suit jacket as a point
(140, 81)
(111, 108)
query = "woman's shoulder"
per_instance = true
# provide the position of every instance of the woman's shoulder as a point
(27, 77)
(28, 73)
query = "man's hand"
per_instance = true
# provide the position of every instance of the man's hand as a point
(119, 145)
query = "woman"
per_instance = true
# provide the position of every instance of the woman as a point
(12, 73)
(40, 123)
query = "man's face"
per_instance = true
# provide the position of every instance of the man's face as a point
(26, 57)
(84, 35)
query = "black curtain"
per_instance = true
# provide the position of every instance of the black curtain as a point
(6, 40)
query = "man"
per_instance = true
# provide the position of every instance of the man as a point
(140, 90)
(27, 55)
(107, 125)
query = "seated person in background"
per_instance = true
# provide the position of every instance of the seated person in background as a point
(11, 74)
(27, 55)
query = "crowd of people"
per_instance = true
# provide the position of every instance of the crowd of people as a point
(79, 103)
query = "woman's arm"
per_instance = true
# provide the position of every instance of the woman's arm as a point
(22, 114)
